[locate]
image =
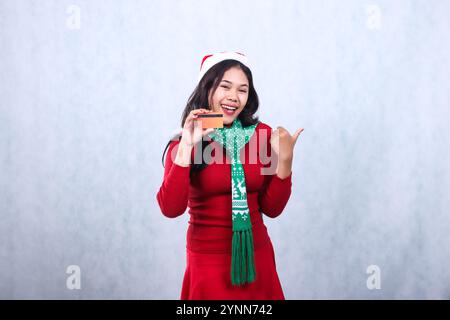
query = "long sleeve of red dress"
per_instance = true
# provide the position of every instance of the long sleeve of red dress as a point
(207, 194)
(174, 192)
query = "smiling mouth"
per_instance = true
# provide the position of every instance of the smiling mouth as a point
(227, 107)
(228, 110)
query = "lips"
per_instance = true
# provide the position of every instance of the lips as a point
(229, 107)
(228, 110)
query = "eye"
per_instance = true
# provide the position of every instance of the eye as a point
(243, 91)
(223, 86)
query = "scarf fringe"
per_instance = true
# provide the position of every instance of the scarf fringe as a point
(242, 258)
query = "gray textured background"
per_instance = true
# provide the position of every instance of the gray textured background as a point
(85, 114)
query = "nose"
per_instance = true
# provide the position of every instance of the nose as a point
(232, 96)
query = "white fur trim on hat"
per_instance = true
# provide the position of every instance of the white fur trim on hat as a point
(210, 60)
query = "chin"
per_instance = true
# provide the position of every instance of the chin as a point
(228, 121)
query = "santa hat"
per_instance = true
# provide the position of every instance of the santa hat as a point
(212, 59)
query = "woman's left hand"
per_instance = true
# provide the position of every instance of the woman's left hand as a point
(283, 143)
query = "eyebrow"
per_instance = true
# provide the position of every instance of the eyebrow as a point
(242, 85)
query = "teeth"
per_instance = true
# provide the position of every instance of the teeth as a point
(228, 107)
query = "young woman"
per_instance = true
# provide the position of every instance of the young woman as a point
(229, 252)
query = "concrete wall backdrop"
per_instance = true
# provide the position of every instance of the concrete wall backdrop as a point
(90, 92)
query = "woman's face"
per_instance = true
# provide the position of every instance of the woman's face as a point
(231, 95)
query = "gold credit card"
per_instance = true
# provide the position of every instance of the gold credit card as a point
(211, 120)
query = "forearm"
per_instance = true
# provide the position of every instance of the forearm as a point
(183, 157)
(276, 193)
(284, 168)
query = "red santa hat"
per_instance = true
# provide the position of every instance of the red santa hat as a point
(212, 59)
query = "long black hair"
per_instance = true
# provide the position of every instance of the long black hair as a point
(200, 99)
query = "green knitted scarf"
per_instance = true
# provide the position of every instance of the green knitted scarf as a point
(242, 257)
